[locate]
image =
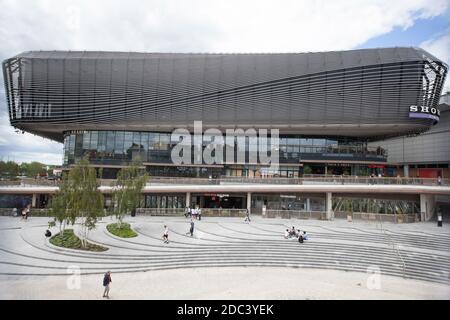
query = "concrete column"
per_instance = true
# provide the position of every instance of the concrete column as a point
(329, 206)
(308, 205)
(427, 204)
(33, 200)
(326, 169)
(406, 170)
(249, 202)
(188, 199)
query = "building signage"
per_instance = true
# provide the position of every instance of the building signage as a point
(287, 196)
(424, 112)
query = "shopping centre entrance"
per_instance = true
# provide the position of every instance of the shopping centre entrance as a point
(219, 200)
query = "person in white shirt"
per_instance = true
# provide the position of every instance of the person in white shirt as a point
(286, 234)
(166, 234)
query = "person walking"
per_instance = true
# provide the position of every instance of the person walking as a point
(191, 229)
(199, 214)
(106, 283)
(247, 216)
(166, 234)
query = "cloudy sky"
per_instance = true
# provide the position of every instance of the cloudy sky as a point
(208, 26)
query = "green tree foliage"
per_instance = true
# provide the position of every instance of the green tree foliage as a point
(60, 206)
(307, 170)
(78, 198)
(9, 169)
(33, 169)
(127, 193)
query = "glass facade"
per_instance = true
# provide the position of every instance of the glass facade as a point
(165, 201)
(288, 201)
(18, 201)
(122, 147)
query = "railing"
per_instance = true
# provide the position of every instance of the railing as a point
(395, 248)
(26, 182)
(304, 180)
(336, 180)
(377, 217)
(206, 212)
(295, 214)
(160, 211)
(217, 212)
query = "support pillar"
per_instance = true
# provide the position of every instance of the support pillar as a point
(249, 202)
(33, 200)
(427, 204)
(329, 206)
(308, 205)
(326, 169)
(188, 199)
(406, 171)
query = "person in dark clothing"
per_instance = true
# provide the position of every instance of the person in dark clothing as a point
(106, 281)
(247, 216)
(48, 234)
(191, 230)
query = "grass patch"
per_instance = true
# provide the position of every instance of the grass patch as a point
(69, 240)
(124, 231)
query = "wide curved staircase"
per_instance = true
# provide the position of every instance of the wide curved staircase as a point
(397, 250)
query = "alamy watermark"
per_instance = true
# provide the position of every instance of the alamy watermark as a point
(374, 279)
(73, 281)
(237, 146)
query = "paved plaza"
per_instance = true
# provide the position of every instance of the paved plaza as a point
(229, 259)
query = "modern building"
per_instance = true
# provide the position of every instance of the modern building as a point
(330, 109)
(426, 155)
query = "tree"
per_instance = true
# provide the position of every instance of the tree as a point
(60, 206)
(79, 198)
(9, 169)
(307, 170)
(32, 169)
(127, 193)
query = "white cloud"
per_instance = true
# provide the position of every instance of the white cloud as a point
(194, 26)
(439, 46)
(26, 147)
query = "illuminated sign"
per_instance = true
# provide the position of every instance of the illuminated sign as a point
(424, 112)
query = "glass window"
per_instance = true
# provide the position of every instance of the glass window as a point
(72, 144)
(144, 140)
(319, 142)
(331, 142)
(153, 141)
(94, 140)
(128, 141)
(118, 145)
(164, 141)
(79, 145)
(110, 141)
(305, 142)
(86, 140)
(137, 138)
(102, 141)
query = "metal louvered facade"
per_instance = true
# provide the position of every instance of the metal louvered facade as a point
(359, 93)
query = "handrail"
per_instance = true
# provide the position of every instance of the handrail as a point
(256, 180)
(395, 248)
